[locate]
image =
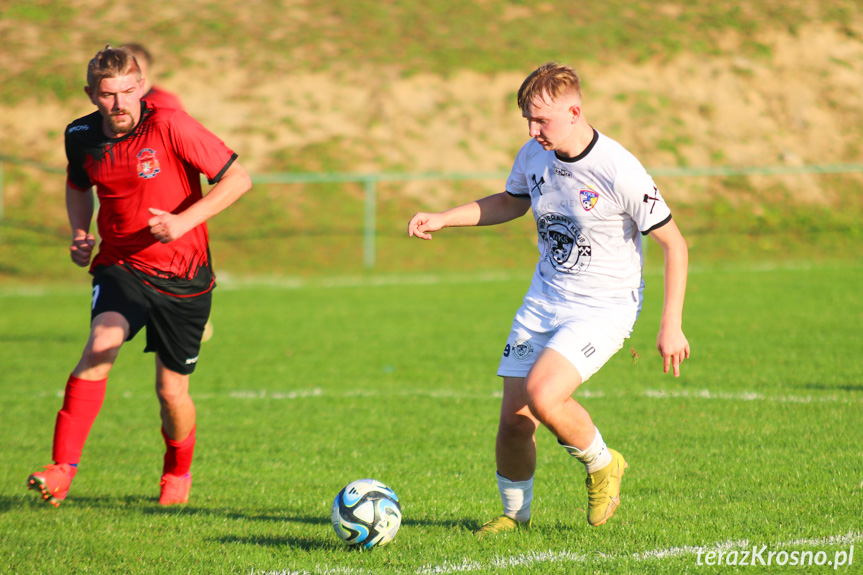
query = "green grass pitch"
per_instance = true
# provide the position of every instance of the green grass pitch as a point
(305, 388)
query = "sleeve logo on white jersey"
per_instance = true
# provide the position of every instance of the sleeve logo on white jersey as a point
(654, 198)
(537, 184)
(564, 246)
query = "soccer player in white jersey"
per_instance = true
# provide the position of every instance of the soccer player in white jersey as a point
(592, 201)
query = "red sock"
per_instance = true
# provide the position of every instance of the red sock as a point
(178, 454)
(81, 404)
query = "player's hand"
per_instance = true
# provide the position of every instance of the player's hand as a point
(422, 223)
(673, 347)
(165, 226)
(81, 249)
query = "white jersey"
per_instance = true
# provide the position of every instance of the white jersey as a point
(591, 212)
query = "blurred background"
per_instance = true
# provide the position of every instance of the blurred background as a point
(351, 116)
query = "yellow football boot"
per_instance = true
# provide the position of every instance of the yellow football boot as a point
(603, 490)
(501, 524)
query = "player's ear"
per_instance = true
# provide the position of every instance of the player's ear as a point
(89, 93)
(575, 112)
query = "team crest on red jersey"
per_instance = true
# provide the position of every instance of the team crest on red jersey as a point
(148, 165)
(588, 198)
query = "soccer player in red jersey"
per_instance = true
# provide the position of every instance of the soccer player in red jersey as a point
(153, 265)
(161, 98)
(153, 94)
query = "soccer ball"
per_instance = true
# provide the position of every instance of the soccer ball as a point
(366, 513)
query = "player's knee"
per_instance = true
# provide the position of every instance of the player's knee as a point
(542, 404)
(173, 393)
(172, 398)
(103, 350)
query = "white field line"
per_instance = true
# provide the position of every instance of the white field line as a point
(322, 571)
(847, 539)
(545, 557)
(540, 558)
(702, 394)
(745, 396)
(699, 394)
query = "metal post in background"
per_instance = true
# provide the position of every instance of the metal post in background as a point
(2, 200)
(369, 231)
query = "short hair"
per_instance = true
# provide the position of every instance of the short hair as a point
(111, 63)
(141, 54)
(551, 79)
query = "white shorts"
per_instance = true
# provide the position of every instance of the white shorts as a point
(583, 333)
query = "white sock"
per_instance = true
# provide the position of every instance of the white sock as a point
(516, 497)
(594, 457)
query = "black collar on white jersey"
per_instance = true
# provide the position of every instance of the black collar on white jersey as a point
(582, 154)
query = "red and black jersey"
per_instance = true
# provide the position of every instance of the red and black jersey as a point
(159, 98)
(156, 165)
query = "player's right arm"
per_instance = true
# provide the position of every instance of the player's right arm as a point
(671, 342)
(489, 211)
(79, 208)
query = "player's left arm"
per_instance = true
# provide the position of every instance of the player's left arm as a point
(167, 227)
(79, 208)
(671, 342)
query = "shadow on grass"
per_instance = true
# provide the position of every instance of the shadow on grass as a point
(39, 338)
(288, 517)
(310, 544)
(292, 542)
(850, 386)
(8, 502)
(468, 524)
(250, 515)
(31, 499)
(149, 505)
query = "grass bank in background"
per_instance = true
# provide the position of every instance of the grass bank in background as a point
(437, 36)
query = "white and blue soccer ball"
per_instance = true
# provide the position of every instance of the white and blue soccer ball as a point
(366, 513)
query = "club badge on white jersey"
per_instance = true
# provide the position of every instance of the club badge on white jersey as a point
(564, 247)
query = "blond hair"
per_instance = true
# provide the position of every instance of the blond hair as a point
(552, 80)
(111, 63)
